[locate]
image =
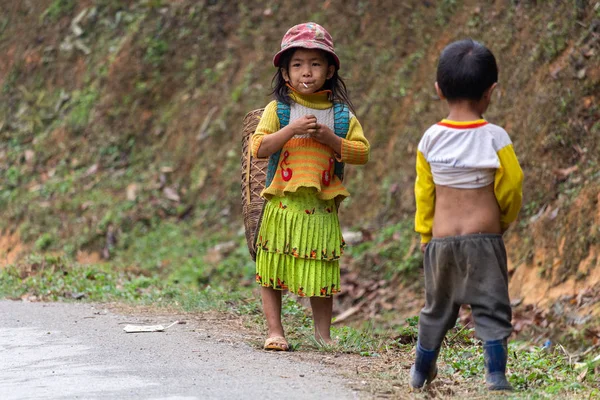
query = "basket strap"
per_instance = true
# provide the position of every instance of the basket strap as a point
(341, 121)
(248, 165)
(283, 113)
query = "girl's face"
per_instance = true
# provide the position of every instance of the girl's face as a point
(308, 70)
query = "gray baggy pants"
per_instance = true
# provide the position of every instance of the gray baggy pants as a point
(468, 269)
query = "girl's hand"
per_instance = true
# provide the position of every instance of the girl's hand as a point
(322, 134)
(303, 125)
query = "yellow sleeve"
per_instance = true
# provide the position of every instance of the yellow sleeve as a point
(355, 147)
(269, 123)
(425, 199)
(508, 186)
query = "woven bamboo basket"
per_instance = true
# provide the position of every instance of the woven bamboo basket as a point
(254, 175)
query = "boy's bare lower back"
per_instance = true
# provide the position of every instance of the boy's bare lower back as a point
(465, 211)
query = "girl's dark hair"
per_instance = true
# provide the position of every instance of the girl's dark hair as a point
(339, 92)
(466, 70)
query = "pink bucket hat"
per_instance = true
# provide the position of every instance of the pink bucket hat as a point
(309, 35)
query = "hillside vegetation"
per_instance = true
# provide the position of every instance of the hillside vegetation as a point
(120, 145)
(120, 126)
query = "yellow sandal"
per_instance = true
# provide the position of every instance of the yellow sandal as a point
(277, 343)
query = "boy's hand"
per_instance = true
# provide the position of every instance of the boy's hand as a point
(304, 125)
(423, 247)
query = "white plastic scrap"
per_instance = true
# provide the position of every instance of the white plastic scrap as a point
(146, 328)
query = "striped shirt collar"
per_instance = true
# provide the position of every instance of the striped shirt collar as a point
(319, 100)
(463, 124)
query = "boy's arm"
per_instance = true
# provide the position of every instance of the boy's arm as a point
(355, 147)
(508, 186)
(425, 199)
(269, 123)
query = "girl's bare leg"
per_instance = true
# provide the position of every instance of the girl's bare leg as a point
(271, 300)
(322, 308)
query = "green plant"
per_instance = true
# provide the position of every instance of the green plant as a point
(408, 333)
(153, 3)
(11, 79)
(81, 110)
(347, 339)
(444, 11)
(58, 9)
(4, 21)
(44, 241)
(553, 42)
(156, 50)
(395, 246)
(12, 176)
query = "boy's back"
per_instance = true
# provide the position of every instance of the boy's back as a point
(463, 159)
(468, 191)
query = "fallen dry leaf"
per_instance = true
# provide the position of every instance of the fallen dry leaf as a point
(171, 194)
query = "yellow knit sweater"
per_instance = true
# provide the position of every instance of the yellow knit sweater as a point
(304, 162)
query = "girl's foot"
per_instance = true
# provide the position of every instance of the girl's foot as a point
(322, 308)
(329, 342)
(271, 300)
(276, 343)
(326, 341)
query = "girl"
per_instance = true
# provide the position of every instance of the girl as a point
(307, 133)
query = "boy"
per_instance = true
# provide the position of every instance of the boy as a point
(468, 190)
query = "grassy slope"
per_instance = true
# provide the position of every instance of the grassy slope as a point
(99, 131)
(157, 103)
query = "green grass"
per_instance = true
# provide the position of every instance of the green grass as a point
(362, 341)
(59, 279)
(534, 371)
(168, 266)
(58, 9)
(392, 251)
(56, 278)
(161, 259)
(82, 106)
(444, 11)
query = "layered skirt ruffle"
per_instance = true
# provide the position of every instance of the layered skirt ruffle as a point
(299, 245)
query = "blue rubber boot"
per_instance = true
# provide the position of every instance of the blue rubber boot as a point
(495, 353)
(424, 370)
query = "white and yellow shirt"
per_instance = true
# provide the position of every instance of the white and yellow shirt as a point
(466, 155)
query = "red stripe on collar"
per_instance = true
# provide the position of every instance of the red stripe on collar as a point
(462, 124)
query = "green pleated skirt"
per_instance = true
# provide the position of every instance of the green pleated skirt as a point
(299, 245)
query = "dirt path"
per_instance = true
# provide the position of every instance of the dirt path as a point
(76, 351)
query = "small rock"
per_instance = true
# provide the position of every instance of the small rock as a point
(29, 156)
(352, 238)
(132, 192)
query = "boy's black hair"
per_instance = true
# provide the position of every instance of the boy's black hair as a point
(339, 92)
(466, 70)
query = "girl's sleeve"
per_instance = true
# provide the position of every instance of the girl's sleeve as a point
(269, 123)
(355, 147)
(425, 199)
(508, 186)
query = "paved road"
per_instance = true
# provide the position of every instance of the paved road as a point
(80, 351)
